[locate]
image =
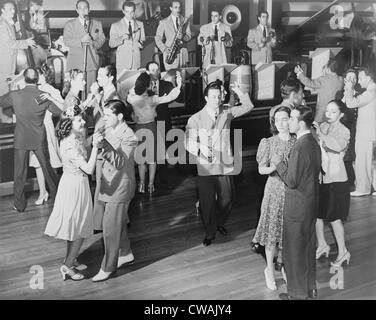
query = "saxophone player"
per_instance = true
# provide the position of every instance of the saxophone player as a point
(168, 29)
(215, 37)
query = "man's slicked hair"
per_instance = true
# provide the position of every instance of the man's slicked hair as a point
(31, 75)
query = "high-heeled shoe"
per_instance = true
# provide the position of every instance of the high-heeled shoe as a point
(78, 266)
(141, 187)
(151, 188)
(345, 257)
(42, 199)
(69, 273)
(324, 250)
(269, 282)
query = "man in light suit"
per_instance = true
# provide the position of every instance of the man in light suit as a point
(211, 38)
(208, 139)
(30, 134)
(9, 47)
(167, 30)
(128, 36)
(329, 87)
(81, 32)
(117, 188)
(301, 176)
(261, 40)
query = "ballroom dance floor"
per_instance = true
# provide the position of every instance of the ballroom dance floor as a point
(171, 262)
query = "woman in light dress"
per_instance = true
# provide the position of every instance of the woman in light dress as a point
(144, 102)
(72, 215)
(269, 229)
(52, 143)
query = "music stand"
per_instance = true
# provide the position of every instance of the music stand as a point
(186, 74)
(126, 81)
(264, 79)
(217, 71)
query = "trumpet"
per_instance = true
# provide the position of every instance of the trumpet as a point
(227, 40)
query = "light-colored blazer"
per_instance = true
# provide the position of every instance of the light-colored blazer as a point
(166, 30)
(128, 54)
(73, 32)
(335, 141)
(366, 121)
(118, 180)
(206, 31)
(8, 52)
(328, 88)
(203, 133)
(260, 54)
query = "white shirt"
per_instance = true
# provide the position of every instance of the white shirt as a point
(212, 113)
(127, 23)
(303, 133)
(174, 21)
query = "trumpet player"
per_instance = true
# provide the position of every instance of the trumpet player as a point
(214, 38)
(261, 40)
(128, 36)
(175, 30)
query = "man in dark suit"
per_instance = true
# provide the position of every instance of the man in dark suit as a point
(161, 88)
(30, 134)
(301, 177)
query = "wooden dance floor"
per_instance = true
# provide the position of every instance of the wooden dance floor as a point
(171, 262)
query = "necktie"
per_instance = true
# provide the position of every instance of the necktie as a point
(264, 33)
(177, 23)
(130, 30)
(215, 33)
(85, 25)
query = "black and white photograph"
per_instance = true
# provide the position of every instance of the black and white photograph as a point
(188, 152)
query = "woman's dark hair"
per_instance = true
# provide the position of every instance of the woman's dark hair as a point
(117, 107)
(69, 76)
(215, 85)
(142, 84)
(273, 128)
(110, 71)
(343, 109)
(64, 126)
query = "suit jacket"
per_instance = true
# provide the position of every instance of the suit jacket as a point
(366, 104)
(118, 180)
(203, 134)
(30, 133)
(8, 52)
(128, 54)
(166, 31)
(328, 87)
(73, 32)
(260, 54)
(206, 31)
(163, 112)
(301, 177)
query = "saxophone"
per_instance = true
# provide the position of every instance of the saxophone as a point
(177, 43)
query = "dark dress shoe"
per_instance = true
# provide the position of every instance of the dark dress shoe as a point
(278, 266)
(222, 230)
(286, 296)
(207, 241)
(19, 211)
(312, 293)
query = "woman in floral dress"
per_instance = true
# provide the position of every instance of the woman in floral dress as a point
(269, 229)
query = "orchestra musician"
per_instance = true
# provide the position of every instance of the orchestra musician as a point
(261, 40)
(78, 33)
(127, 35)
(168, 29)
(9, 45)
(215, 37)
(36, 19)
